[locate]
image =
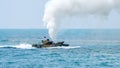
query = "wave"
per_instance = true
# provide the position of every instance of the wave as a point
(20, 46)
(24, 46)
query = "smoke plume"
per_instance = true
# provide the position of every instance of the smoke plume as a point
(57, 9)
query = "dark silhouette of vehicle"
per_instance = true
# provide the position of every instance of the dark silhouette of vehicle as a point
(48, 43)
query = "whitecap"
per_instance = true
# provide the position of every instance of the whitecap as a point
(24, 46)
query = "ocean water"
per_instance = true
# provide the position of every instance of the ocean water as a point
(89, 48)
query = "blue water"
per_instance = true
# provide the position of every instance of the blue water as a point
(88, 49)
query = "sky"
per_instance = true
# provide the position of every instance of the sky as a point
(28, 14)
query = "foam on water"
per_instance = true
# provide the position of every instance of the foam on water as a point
(5, 46)
(64, 47)
(24, 46)
(20, 46)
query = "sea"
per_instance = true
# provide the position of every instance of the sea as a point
(89, 48)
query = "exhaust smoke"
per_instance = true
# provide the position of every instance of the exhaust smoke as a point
(58, 9)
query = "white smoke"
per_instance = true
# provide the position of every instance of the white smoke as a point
(57, 9)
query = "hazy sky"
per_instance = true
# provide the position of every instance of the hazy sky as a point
(29, 13)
